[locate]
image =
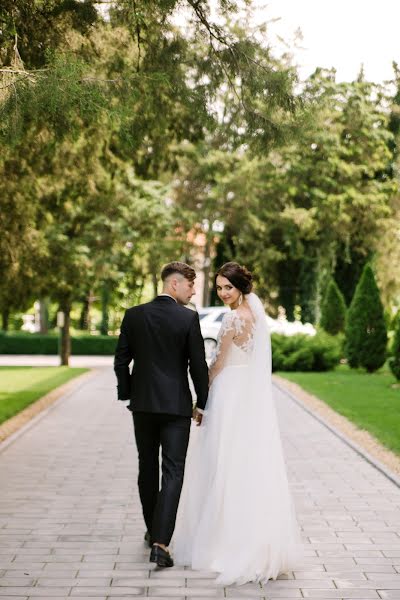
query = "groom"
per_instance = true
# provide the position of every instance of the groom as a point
(163, 338)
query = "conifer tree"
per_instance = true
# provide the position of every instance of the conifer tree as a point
(333, 315)
(366, 335)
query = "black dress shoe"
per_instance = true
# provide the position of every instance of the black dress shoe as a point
(161, 557)
(147, 539)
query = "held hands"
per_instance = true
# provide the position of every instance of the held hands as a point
(197, 416)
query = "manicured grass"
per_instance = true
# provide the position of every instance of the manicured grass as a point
(20, 386)
(370, 401)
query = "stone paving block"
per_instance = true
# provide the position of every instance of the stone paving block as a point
(147, 582)
(41, 573)
(299, 583)
(366, 553)
(389, 584)
(216, 592)
(88, 592)
(101, 558)
(359, 594)
(374, 571)
(21, 565)
(373, 561)
(16, 581)
(31, 592)
(92, 574)
(270, 593)
(146, 598)
(174, 572)
(349, 575)
(238, 593)
(43, 558)
(389, 594)
(54, 567)
(6, 558)
(72, 581)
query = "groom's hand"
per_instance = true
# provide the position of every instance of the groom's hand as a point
(197, 416)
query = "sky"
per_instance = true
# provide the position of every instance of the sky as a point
(343, 34)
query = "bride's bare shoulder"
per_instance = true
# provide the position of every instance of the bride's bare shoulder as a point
(244, 313)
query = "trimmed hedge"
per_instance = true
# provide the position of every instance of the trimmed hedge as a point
(289, 353)
(305, 353)
(35, 343)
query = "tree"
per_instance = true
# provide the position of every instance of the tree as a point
(333, 316)
(366, 336)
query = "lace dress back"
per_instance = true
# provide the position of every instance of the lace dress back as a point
(235, 342)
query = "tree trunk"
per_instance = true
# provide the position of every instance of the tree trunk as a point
(43, 316)
(206, 272)
(105, 299)
(84, 317)
(288, 286)
(65, 349)
(154, 280)
(5, 318)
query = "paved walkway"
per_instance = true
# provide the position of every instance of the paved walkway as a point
(71, 525)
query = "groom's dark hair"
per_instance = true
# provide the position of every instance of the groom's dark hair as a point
(178, 267)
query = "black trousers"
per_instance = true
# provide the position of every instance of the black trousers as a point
(160, 506)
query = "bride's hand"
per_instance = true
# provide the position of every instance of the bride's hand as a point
(197, 416)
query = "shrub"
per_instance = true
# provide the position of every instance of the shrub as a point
(366, 335)
(394, 362)
(300, 360)
(333, 315)
(305, 353)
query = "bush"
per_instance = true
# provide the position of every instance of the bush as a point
(394, 362)
(366, 335)
(34, 343)
(305, 353)
(333, 315)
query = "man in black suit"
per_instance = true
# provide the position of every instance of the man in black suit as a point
(163, 338)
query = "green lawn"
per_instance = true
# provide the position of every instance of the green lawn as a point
(370, 401)
(20, 386)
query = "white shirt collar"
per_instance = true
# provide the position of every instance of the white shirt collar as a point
(169, 296)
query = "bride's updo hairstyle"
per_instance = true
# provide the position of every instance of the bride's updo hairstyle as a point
(239, 276)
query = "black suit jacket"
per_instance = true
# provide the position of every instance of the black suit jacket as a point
(163, 338)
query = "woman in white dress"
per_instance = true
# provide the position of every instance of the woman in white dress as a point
(236, 514)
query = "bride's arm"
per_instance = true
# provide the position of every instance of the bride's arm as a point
(225, 339)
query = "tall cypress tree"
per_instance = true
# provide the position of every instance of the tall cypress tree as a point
(333, 316)
(366, 336)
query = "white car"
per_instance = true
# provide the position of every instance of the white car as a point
(210, 323)
(211, 318)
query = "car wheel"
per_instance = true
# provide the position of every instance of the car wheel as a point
(210, 346)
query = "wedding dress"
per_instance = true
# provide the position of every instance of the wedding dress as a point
(236, 515)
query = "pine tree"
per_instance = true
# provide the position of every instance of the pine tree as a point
(394, 362)
(333, 315)
(366, 336)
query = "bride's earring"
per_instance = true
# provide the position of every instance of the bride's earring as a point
(240, 299)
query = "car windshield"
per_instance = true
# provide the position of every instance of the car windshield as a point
(202, 314)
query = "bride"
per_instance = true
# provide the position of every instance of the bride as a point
(236, 514)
